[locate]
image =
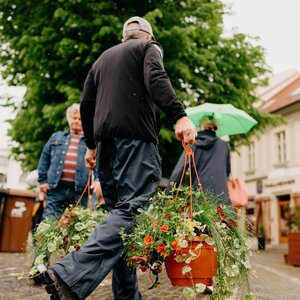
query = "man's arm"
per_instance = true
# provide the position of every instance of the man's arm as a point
(43, 166)
(87, 110)
(160, 88)
(159, 85)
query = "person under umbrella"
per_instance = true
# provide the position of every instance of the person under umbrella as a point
(212, 158)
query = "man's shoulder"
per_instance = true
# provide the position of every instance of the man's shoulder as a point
(156, 46)
(59, 134)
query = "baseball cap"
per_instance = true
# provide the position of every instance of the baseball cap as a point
(143, 25)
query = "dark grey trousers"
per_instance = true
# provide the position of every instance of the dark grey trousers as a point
(129, 172)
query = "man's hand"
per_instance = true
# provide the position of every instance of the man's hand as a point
(185, 130)
(44, 187)
(90, 158)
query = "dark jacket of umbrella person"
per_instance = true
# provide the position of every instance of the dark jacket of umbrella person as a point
(212, 158)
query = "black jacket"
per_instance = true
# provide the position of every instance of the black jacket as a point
(212, 158)
(123, 91)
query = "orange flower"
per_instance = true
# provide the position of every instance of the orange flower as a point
(40, 238)
(161, 248)
(164, 228)
(175, 245)
(154, 223)
(148, 239)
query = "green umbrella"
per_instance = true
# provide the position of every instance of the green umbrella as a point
(230, 119)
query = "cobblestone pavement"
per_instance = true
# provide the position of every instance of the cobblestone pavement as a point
(274, 280)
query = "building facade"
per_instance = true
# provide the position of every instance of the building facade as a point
(11, 174)
(270, 164)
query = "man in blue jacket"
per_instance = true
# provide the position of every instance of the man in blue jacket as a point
(123, 92)
(62, 173)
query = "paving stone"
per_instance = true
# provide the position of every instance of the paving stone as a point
(273, 280)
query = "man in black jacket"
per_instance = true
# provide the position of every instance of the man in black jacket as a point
(212, 158)
(120, 104)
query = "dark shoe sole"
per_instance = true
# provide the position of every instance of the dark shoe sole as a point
(38, 279)
(54, 287)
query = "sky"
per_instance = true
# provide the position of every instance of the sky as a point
(275, 22)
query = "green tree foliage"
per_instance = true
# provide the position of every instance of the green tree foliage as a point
(49, 45)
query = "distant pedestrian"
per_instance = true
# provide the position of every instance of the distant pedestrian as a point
(212, 158)
(62, 174)
(119, 109)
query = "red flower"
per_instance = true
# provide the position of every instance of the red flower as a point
(148, 240)
(161, 248)
(220, 212)
(143, 268)
(175, 245)
(231, 222)
(167, 216)
(137, 259)
(131, 247)
(157, 269)
(164, 228)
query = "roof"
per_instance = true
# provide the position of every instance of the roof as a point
(282, 91)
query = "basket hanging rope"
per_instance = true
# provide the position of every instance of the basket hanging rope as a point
(204, 267)
(88, 188)
(189, 159)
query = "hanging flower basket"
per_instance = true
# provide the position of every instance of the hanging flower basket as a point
(54, 239)
(196, 239)
(201, 269)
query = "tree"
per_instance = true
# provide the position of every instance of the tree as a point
(49, 45)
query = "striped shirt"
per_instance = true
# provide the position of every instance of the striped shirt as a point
(69, 170)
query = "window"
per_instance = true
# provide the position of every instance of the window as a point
(281, 146)
(251, 156)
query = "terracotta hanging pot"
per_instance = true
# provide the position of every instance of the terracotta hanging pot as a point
(204, 267)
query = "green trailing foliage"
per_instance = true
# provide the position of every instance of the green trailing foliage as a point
(49, 46)
(169, 225)
(57, 238)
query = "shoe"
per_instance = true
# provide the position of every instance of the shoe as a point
(38, 279)
(35, 274)
(56, 287)
(208, 290)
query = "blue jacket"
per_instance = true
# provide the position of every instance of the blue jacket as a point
(52, 159)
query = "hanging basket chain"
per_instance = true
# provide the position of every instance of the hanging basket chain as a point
(88, 188)
(189, 158)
